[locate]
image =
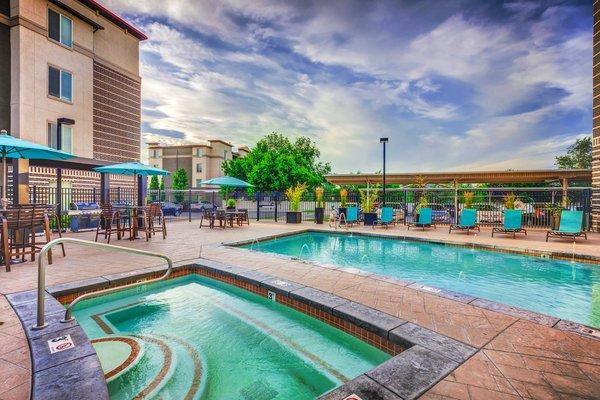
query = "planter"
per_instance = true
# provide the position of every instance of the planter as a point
(554, 222)
(319, 215)
(369, 218)
(293, 217)
(230, 208)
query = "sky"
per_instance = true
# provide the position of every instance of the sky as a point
(454, 85)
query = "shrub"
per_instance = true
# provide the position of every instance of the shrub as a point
(468, 199)
(509, 201)
(343, 197)
(422, 203)
(294, 195)
(368, 200)
(319, 192)
(230, 203)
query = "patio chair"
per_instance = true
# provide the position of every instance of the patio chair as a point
(242, 217)
(111, 221)
(512, 224)
(154, 221)
(386, 218)
(467, 221)
(424, 219)
(208, 215)
(351, 217)
(571, 224)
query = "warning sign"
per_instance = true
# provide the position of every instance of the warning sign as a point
(272, 295)
(60, 343)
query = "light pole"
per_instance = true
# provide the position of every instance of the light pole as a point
(383, 140)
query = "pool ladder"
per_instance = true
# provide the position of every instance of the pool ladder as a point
(41, 292)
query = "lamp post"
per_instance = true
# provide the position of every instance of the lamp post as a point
(383, 140)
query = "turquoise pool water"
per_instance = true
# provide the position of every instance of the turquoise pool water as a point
(564, 289)
(203, 339)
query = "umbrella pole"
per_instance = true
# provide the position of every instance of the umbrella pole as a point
(4, 199)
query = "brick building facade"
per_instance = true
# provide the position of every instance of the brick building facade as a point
(596, 121)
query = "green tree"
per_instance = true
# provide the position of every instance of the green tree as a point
(277, 163)
(579, 155)
(154, 185)
(180, 182)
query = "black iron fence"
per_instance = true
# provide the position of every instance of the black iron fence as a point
(538, 204)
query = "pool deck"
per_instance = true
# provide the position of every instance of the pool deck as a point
(517, 358)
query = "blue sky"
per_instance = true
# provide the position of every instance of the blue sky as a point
(455, 85)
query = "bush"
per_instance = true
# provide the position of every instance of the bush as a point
(294, 195)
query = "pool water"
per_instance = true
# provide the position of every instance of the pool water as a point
(203, 339)
(564, 289)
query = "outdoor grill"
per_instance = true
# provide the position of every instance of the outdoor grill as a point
(84, 215)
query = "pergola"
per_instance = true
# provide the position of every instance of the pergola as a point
(564, 176)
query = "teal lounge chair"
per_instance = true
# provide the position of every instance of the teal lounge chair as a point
(351, 215)
(467, 221)
(512, 223)
(571, 223)
(386, 218)
(425, 219)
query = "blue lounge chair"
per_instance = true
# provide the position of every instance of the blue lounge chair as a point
(512, 223)
(351, 217)
(571, 223)
(425, 219)
(386, 218)
(467, 221)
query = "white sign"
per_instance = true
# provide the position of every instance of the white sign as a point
(353, 397)
(61, 343)
(272, 295)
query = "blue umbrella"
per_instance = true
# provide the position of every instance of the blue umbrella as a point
(12, 147)
(228, 181)
(131, 168)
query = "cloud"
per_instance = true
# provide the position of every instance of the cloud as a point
(508, 83)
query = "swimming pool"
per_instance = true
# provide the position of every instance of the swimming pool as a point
(197, 338)
(564, 289)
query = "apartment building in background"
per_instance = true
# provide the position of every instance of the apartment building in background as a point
(70, 79)
(201, 161)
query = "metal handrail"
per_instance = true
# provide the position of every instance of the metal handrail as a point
(68, 313)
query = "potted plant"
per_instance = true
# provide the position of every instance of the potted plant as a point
(343, 201)
(294, 196)
(230, 204)
(422, 203)
(367, 203)
(554, 210)
(320, 205)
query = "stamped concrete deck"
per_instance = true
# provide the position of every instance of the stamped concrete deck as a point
(517, 358)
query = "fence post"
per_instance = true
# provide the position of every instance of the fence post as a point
(34, 194)
(257, 194)
(276, 201)
(190, 205)
(455, 202)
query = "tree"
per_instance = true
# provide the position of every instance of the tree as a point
(154, 185)
(180, 182)
(579, 155)
(277, 163)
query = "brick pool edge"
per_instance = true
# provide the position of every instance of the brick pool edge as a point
(421, 357)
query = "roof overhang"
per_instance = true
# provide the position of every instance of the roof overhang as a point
(76, 13)
(518, 176)
(77, 163)
(114, 18)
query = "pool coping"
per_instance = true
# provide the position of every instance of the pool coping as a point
(427, 358)
(491, 305)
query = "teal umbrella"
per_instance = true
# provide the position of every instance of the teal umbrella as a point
(131, 168)
(227, 181)
(12, 147)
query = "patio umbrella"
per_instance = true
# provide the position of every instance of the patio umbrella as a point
(132, 168)
(227, 181)
(12, 147)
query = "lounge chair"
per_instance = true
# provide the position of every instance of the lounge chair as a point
(351, 217)
(571, 223)
(512, 223)
(467, 221)
(386, 218)
(425, 219)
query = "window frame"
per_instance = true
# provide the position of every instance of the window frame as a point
(60, 84)
(61, 16)
(53, 125)
(201, 168)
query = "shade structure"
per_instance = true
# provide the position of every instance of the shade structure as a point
(227, 181)
(12, 147)
(131, 168)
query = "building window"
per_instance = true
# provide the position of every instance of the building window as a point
(60, 28)
(225, 155)
(199, 153)
(198, 167)
(155, 153)
(60, 84)
(66, 137)
(198, 182)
